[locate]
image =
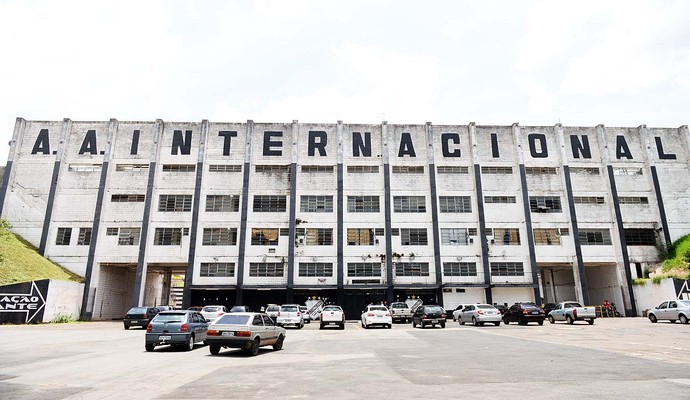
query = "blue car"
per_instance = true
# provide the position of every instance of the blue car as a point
(177, 328)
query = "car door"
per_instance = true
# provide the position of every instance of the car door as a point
(557, 312)
(466, 314)
(513, 313)
(672, 310)
(201, 326)
(662, 312)
(270, 329)
(258, 328)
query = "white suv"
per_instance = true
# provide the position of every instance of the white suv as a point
(290, 314)
(332, 315)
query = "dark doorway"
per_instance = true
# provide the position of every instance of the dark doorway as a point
(327, 296)
(355, 301)
(428, 296)
(206, 297)
(256, 299)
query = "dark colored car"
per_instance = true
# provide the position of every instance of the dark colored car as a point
(140, 316)
(548, 307)
(503, 309)
(429, 315)
(176, 328)
(524, 313)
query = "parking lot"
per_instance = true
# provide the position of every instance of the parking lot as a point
(615, 358)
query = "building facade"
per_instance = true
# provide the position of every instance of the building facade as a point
(257, 213)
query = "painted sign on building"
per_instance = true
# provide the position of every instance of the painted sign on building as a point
(23, 303)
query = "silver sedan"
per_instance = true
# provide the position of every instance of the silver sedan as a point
(478, 314)
(672, 310)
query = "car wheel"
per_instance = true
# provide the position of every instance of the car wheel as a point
(190, 344)
(497, 323)
(591, 321)
(253, 350)
(474, 321)
(522, 322)
(652, 318)
(540, 322)
(362, 322)
(320, 326)
(569, 319)
(342, 326)
(389, 326)
(300, 326)
(149, 347)
(414, 324)
(214, 349)
(683, 319)
(443, 325)
(460, 321)
(422, 324)
(505, 321)
(278, 345)
(126, 327)
(553, 321)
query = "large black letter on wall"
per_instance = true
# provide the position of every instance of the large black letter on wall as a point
(406, 146)
(622, 149)
(89, 143)
(268, 143)
(227, 137)
(445, 139)
(543, 151)
(660, 150)
(321, 144)
(42, 144)
(494, 146)
(580, 148)
(135, 142)
(361, 147)
(180, 145)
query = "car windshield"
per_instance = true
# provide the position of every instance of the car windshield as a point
(233, 319)
(486, 307)
(289, 308)
(434, 309)
(137, 310)
(211, 309)
(378, 308)
(176, 317)
(399, 305)
(331, 308)
(273, 308)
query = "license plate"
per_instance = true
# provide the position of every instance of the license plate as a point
(535, 312)
(133, 322)
(164, 337)
(228, 334)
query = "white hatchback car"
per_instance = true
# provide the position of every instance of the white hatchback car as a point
(212, 313)
(290, 314)
(376, 315)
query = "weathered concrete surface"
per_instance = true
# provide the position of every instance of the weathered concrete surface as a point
(615, 358)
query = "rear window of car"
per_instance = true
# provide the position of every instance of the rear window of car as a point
(233, 319)
(273, 308)
(238, 309)
(378, 308)
(486, 307)
(399, 305)
(172, 317)
(434, 309)
(211, 309)
(289, 308)
(137, 310)
(529, 306)
(331, 308)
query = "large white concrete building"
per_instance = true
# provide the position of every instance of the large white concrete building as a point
(257, 213)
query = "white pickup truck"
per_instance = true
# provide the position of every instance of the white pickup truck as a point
(334, 315)
(571, 311)
(401, 312)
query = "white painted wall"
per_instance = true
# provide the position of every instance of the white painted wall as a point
(63, 298)
(650, 295)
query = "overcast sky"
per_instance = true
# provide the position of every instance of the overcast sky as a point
(449, 62)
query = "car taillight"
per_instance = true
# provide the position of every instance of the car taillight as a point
(480, 312)
(298, 313)
(212, 332)
(244, 333)
(443, 315)
(388, 314)
(149, 328)
(184, 327)
(278, 315)
(499, 312)
(525, 312)
(424, 316)
(371, 314)
(321, 315)
(575, 312)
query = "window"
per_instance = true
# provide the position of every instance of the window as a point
(408, 169)
(128, 198)
(547, 236)
(132, 167)
(363, 204)
(284, 231)
(453, 236)
(627, 171)
(267, 203)
(363, 169)
(545, 204)
(360, 237)
(588, 200)
(266, 270)
(454, 204)
(411, 269)
(111, 231)
(315, 269)
(584, 170)
(85, 167)
(459, 269)
(265, 236)
(319, 237)
(452, 169)
(211, 270)
(363, 269)
(175, 203)
(506, 236)
(168, 237)
(179, 167)
(222, 203)
(633, 200)
(84, 237)
(224, 168)
(595, 237)
(63, 236)
(640, 237)
(499, 199)
(219, 237)
(540, 170)
(497, 170)
(324, 169)
(507, 269)
(316, 204)
(272, 169)
(409, 204)
(128, 236)
(413, 237)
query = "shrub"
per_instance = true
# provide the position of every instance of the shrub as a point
(639, 282)
(657, 279)
(62, 319)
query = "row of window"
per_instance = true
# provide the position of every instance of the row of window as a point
(322, 269)
(359, 204)
(358, 236)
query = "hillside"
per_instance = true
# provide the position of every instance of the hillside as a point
(19, 261)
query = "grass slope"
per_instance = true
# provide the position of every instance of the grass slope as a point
(676, 264)
(19, 261)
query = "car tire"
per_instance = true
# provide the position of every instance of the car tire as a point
(253, 350)
(443, 325)
(497, 323)
(342, 326)
(474, 321)
(320, 326)
(414, 324)
(683, 319)
(460, 321)
(300, 326)
(389, 326)
(214, 350)
(126, 327)
(505, 321)
(569, 319)
(522, 322)
(189, 346)
(362, 322)
(278, 345)
(422, 324)
(149, 347)
(551, 320)
(653, 318)
(590, 321)
(540, 323)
